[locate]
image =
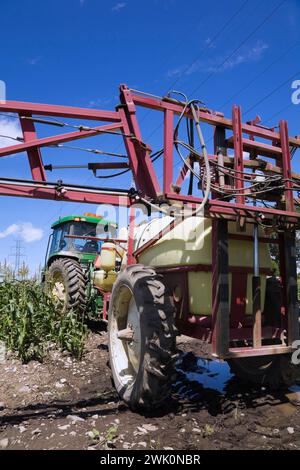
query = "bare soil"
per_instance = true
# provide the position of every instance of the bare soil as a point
(63, 403)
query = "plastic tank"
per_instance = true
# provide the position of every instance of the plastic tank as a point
(104, 280)
(108, 256)
(189, 243)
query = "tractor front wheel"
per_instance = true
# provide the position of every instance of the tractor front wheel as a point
(142, 338)
(66, 281)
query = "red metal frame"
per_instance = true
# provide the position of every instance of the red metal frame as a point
(124, 120)
(241, 137)
(238, 150)
(106, 297)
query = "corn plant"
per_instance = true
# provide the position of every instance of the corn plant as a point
(30, 319)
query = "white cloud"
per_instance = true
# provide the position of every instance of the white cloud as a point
(248, 55)
(118, 6)
(12, 229)
(24, 230)
(174, 72)
(9, 127)
(218, 63)
(98, 102)
(33, 60)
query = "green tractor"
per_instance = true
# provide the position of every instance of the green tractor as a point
(73, 271)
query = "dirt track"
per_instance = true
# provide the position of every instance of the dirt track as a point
(66, 404)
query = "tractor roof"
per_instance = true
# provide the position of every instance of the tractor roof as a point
(91, 218)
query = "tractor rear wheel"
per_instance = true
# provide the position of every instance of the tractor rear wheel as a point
(66, 281)
(273, 371)
(142, 338)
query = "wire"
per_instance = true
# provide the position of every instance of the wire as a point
(221, 30)
(256, 188)
(80, 127)
(9, 115)
(278, 113)
(260, 74)
(18, 139)
(154, 157)
(271, 93)
(95, 151)
(175, 47)
(258, 183)
(192, 104)
(209, 43)
(112, 175)
(257, 103)
(227, 58)
(240, 45)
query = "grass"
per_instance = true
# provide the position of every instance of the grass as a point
(30, 319)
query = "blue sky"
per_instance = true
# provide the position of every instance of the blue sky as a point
(77, 52)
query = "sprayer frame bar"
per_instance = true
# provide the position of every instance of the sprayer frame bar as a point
(124, 119)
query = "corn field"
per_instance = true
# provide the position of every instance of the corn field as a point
(30, 320)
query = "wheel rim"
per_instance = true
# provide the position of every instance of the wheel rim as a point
(58, 287)
(125, 354)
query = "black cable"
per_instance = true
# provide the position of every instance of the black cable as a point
(95, 151)
(278, 112)
(153, 157)
(9, 115)
(260, 74)
(271, 92)
(112, 175)
(239, 46)
(65, 185)
(228, 57)
(209, 43)
(80, 127)
(190, 65)
(18, 139)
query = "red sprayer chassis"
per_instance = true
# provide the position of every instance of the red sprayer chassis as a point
(270, 151)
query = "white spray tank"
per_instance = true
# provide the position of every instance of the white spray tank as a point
(190, 243)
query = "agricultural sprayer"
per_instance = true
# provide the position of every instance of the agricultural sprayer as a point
(201, 265)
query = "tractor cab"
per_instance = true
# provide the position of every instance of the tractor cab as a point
(77, 237)
(71, 272)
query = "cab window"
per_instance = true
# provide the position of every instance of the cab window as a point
(56, 240)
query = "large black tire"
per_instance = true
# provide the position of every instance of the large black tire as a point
(70, 274)
(272, 371)
(155, 338)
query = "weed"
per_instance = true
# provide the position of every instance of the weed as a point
(111, 434)
(208, 430)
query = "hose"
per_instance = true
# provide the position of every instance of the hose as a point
(206, 160)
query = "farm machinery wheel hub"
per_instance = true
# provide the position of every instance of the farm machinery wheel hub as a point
(58, 287)
(125, 336)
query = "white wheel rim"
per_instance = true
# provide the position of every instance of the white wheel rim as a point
(58, 288)
(125, 355)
